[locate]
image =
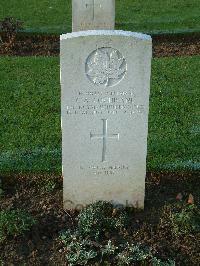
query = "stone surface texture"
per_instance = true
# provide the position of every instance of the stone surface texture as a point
(93, 15)
(105, 81)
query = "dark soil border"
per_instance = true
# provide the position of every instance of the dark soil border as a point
(49, 45)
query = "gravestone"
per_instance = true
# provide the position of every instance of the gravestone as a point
(105, 80)
(93, 14)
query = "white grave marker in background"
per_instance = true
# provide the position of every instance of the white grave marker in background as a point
(93, 14)
(105, 80)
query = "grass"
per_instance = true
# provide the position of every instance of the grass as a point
(30, 115)
(150, 16)
(174, 114)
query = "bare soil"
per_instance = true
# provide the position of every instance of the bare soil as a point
(41, 245)
(48, 45)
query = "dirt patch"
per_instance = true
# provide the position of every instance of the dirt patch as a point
(41, 196)
(48, 45)
(176, 45)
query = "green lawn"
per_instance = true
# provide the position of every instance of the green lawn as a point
(30, 115)
(150, 16)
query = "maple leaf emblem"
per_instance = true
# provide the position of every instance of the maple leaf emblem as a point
(106, 66)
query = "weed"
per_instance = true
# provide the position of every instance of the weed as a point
(109, 249)
(133, 253)
(186, 219)
(82, 251)
(99, 219)
(158, 262)
(79, 251)
(49, 186)
(89, 244)
(14, 223)
(180, 219)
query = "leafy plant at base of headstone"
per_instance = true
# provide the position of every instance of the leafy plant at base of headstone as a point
(158, 262)
(14, 223)
(95, 241)
(9, 27)
(109, 249)
(82, 251)
(98, 219)
(134, 253)
(79, 251)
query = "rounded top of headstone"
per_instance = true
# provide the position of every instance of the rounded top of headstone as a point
(136, 35)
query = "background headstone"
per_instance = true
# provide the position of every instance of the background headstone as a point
(105, 80)
(93, 14)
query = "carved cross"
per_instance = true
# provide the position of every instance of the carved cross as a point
(93, 8)
(105, 136)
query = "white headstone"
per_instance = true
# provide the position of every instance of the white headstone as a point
(105, 80)
(93, 14)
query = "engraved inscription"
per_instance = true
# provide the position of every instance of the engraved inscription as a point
(104, 137)
(90, 25)
(106, 169)
(105, 66)
(105, 102)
